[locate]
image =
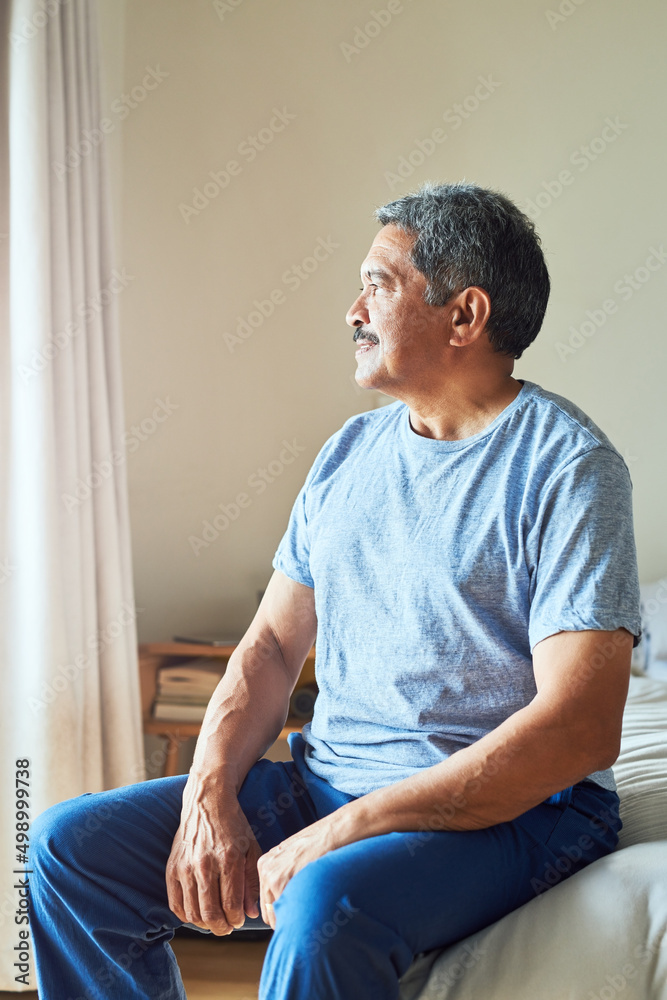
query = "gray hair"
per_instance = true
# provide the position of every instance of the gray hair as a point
(467, 235)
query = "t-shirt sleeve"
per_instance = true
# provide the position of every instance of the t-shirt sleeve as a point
(584, 572)
(293, 554)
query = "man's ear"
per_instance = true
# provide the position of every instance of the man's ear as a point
(470, 312)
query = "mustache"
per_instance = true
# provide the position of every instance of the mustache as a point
(363, 333)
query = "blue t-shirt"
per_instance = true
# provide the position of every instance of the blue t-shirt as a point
(438, 565)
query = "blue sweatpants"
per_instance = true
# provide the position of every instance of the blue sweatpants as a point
(347, 925)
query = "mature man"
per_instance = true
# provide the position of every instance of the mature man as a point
(465, 558)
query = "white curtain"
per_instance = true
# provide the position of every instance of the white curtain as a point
(70, 693)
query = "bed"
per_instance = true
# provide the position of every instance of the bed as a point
(602, 934)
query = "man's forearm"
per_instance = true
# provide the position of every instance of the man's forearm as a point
(570, 729)
(505, 773)
(502, 775)
(245, 714)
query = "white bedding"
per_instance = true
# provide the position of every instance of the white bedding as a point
(641, 769)
(601, 930)
(600, 935)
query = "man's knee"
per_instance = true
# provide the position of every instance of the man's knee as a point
(65, 832)
(319, 922)
(50, 833)
(321, 905)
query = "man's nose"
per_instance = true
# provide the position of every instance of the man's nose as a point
(357, 314)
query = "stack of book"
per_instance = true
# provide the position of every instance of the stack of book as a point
(184, 691)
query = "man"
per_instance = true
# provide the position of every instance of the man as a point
(465, 558)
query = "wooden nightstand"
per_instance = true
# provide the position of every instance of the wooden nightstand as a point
(153, 655)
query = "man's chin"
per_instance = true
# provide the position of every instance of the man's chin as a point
(366, 380)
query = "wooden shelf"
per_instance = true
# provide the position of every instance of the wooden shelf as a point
(189, 649)
(185, 730)
(154, 655)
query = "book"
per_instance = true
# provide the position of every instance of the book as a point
(183, 699)
(174, 712)
(187, 690)
(194, 677)
(208, 639)
(183, 690)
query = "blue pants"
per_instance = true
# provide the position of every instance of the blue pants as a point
(347, 925)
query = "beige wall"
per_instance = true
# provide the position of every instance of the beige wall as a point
(551, 85)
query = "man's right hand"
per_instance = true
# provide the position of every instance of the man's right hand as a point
(212, 878)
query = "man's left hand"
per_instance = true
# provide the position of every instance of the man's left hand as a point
(282, 862)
